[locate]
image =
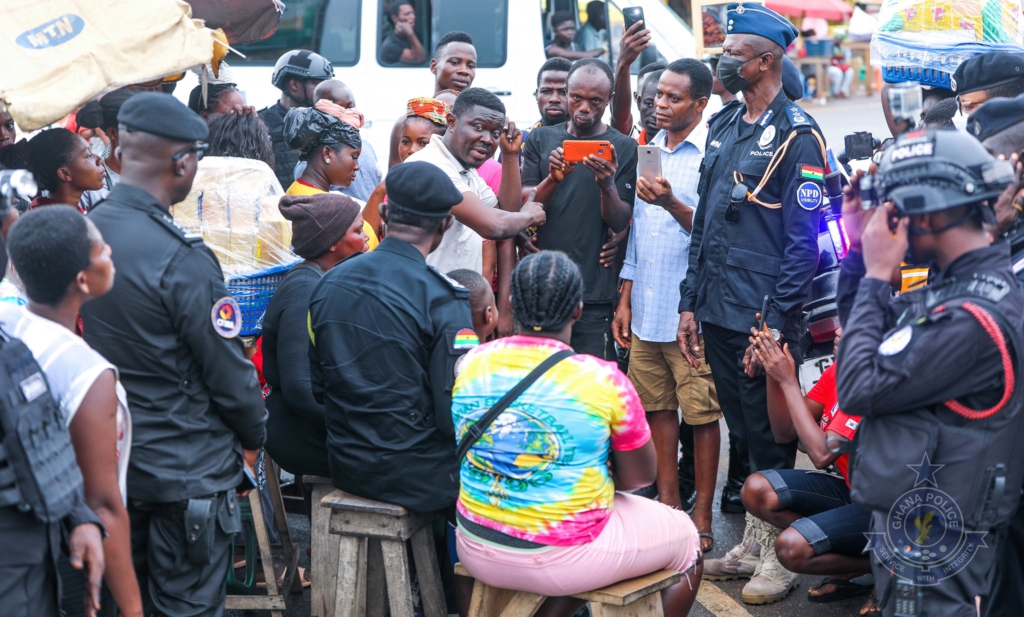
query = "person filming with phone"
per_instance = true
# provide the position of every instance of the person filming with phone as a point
(584, 172)
(645, 321)
(755, 229)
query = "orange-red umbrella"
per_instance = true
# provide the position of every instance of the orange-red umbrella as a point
(832, 10)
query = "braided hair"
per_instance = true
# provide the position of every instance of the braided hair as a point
(546, 289)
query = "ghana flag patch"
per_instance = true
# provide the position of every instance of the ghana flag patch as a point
(465, 339)
(812, 173)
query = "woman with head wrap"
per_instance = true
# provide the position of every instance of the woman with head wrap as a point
(326, 228)
(330, 148)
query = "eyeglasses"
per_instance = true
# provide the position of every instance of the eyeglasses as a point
(200, 148)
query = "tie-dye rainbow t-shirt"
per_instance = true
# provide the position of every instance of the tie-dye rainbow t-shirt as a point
(540, 472)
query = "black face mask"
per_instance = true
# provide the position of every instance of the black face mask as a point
(729, 74)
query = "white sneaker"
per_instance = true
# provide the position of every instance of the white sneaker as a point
(771, 582)
(741, 561)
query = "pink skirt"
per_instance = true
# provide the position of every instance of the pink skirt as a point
(641, 536)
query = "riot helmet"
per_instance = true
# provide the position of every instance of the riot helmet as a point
(938, 169)
(302, 64)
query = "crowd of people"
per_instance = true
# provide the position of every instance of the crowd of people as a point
(631, 296)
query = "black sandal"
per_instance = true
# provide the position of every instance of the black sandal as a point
(872, 607)
(710, 536)
(845, 589)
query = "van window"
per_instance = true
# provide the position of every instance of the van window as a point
(486, 22)
(328, 27)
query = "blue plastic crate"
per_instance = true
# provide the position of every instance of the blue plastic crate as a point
(926, 77)
(253, 294)
(818, 49)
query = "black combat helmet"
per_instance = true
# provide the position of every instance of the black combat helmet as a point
(938, 169)
(303, 64)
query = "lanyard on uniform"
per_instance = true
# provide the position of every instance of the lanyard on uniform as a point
(773, 165)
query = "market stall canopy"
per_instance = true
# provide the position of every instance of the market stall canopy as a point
(59, 54)
(243, 21)
(832, 10)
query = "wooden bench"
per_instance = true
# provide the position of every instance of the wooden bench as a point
(323, 559)
(636, 597)
(371, 571)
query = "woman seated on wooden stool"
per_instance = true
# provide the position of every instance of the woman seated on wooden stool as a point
(538, 509)
(326, 228)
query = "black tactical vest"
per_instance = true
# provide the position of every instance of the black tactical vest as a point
(38, 471)
(983, 463)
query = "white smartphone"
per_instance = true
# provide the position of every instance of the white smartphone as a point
(649, 163)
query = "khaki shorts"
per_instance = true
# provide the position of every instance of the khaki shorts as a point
(665, 380)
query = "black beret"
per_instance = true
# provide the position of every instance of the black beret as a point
(792, 80)
(421, 188)
(162, 115)
(995, 116)
(987, 71)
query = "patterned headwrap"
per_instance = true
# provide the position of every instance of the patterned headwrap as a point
(350, 115)
(430, 108)
(306, 129)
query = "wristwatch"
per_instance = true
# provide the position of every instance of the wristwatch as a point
(775, 334)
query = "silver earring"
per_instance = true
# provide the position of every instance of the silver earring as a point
(327, 161)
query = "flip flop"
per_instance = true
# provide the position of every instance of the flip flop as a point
(845, 589)
(872, 607)
(710, 536)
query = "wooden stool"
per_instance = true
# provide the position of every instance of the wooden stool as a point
(636, 597)
(372, 571)
(274, 601)
(323, 559)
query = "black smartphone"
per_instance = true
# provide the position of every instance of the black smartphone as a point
(248, 482)
(764, 314)
(859, 146)
(631, 15)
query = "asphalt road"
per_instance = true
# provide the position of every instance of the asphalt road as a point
(722, 598)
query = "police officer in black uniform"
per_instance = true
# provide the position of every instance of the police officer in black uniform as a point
(756, 227)
(296, 75)
(42, 506)
(171, 328)
(387, 331)
(931, 373)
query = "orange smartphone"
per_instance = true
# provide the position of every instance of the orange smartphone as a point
(575, 151)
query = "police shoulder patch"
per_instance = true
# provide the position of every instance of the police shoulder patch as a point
(809, 195)
(797, 117)
(226, 317)
(897, 341)
(465, 339)
(177, 230)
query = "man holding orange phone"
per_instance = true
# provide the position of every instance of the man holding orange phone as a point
(585, 174)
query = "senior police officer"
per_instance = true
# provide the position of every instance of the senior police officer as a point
(171, 328)
(387, 331)
(756, 226)
(987, 76)
(934, 373)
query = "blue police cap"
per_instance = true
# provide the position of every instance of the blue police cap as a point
(987, 71)
(995, 116)
(421, 188)
(162, 115)
(744, 18)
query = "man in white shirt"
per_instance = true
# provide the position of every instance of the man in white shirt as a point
(476, 128)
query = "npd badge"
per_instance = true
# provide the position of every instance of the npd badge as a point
(924, 540)
(53, 33)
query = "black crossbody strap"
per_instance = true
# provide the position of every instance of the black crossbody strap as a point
(477, 430)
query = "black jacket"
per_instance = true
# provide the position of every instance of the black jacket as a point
(194, 398)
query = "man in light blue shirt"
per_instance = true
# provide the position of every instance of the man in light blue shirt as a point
(648, 315)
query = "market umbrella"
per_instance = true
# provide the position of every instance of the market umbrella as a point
(243, 21)
(832, 10)
(59, 54)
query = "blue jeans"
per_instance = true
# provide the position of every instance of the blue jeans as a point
(832, 522)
